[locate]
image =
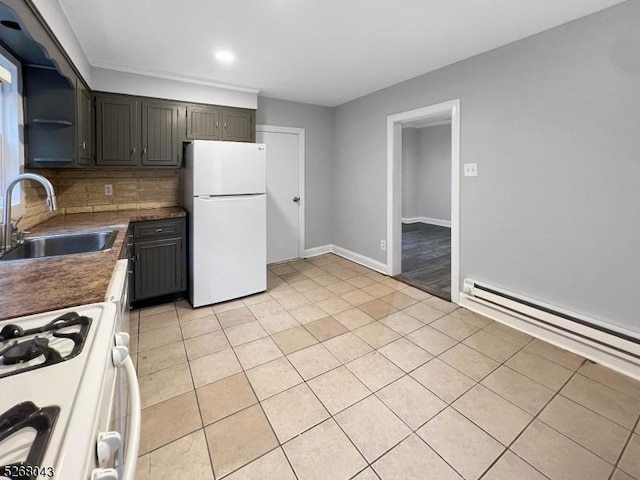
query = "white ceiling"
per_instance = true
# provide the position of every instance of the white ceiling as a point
(324, 52)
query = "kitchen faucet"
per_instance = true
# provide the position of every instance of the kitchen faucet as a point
(7, 228)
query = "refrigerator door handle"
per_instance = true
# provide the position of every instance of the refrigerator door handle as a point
(209, 198)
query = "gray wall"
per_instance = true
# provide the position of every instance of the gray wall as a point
(318, 124)
(434, 144)
(411, 173)
(553, 122)
(426, 172)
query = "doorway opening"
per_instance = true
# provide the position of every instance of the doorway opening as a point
(426, 205)
(423, 204)
(285, 191)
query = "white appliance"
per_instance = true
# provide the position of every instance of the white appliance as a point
(224, 188)
(61, 408)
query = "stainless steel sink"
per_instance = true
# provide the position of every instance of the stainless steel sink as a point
(66, 244)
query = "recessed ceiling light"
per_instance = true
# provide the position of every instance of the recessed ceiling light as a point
(225, 57)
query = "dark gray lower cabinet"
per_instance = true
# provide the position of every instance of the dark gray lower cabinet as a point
(159, 258)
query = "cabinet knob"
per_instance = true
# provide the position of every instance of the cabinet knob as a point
(144, 151)
(158, 230)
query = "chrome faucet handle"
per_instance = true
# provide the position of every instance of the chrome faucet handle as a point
(20, 236)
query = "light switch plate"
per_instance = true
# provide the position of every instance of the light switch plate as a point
(470, 169)
(108, 190)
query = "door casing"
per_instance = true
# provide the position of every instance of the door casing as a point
(394, 186)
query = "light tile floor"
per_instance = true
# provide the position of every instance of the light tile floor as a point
(339, 372)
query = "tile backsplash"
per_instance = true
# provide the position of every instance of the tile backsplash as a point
(82, 191)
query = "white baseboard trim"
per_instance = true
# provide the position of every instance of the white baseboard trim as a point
(597, 352)
(429, 220)
(360, 259)
(349, 255)
(316, 251)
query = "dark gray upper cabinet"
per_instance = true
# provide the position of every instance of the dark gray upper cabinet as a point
(160, 143)
(117, 135)
(50, 110)
(238, 125)
(203, 123)
(54, 122)
(85, 123)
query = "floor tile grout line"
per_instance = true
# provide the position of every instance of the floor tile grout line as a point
(195, 393)
(603, 384)
(259, 403)
(406, 373)
(624, 448)
(526, 427)
(574, 372)
(413, 431)
(159, 447)
(332, 417)
(440, 456)
(593, 411)
(556, 393)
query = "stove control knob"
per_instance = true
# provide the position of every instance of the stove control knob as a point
(108, 444)
(119, 355)
(104, 474)
(122, 339)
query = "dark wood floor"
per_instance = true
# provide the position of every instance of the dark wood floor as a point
(426, 258)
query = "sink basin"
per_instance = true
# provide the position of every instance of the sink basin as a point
(66, 244)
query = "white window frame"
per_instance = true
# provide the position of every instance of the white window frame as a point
(13, 153)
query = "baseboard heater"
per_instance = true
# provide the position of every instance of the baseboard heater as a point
(622, 344)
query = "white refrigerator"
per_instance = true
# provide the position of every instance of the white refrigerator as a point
(224, 191)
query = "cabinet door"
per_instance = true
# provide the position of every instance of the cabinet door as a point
(203, 123)
(159, 268)
(117, 135)
(238, 125)
(160, 134)
(85, 122)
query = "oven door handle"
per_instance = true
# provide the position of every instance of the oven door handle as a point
(133, 430)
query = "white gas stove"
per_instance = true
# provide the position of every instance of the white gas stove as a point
(63, 413)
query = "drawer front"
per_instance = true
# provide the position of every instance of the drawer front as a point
(157, 228)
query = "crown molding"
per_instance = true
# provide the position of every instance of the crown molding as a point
(175, 77)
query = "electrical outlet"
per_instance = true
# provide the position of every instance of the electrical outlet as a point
(470, 169)
(383, 244)
(108, 190)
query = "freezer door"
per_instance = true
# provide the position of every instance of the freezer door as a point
(228, 168)
(229, 254)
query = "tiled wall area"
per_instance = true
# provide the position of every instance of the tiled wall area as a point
(82, 191)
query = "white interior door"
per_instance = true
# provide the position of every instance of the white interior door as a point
(283, 225)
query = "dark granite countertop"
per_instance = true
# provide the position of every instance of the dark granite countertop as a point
(34, 286)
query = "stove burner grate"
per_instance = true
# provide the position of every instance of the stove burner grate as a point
(27, 415)
(31, 349)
